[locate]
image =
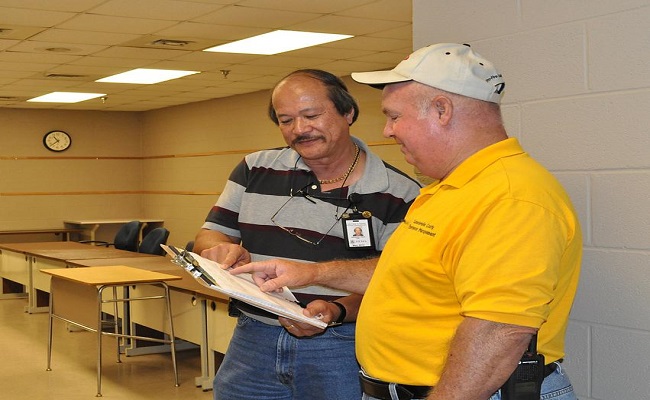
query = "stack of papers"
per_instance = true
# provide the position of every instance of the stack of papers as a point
(240, 287)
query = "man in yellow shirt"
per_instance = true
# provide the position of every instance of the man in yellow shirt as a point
(487, 257)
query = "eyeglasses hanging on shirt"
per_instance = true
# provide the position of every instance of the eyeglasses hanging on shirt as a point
(357, 228)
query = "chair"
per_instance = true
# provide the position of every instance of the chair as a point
(126, 237)
(152, 241)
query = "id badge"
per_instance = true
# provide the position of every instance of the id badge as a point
(357, 229)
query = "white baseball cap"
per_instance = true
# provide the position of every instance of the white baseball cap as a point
(453, 67)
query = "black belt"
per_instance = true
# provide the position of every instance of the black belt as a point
(380, 389)
(550, 368)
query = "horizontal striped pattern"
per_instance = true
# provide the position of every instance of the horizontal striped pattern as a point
(260, 185)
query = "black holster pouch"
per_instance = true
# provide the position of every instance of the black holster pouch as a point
(525, 383)
(233, 311)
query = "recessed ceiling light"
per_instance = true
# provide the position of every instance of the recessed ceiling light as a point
(65, 97)
(146, 76)
(277, 42)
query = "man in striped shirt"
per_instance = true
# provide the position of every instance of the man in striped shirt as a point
(300, 204)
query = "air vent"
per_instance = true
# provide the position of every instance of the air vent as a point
(171, 42)
(65, 76)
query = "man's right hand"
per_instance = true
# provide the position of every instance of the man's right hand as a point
(273, 275)
(227, 254)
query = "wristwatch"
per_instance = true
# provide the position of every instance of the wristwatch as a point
(342, 315)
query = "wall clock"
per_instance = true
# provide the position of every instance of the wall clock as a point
(57, 141)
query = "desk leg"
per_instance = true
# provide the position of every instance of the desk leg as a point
(116, 318)
(30, 286)
(207, 366)
(49, 335)
(33, 296)
(31, 290)
(141, 233)
(172, 338)
(93, 230)
(100, 291)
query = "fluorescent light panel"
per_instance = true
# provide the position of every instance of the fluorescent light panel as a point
(146, 76)
(277, 42)
(65, 97)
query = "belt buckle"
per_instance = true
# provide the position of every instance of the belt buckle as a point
(402, 391)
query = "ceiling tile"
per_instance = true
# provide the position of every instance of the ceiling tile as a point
(105, 37)
(84, 37)
(101, 23)
(346, 25)
(172, 10)
(22, 16)
(321, 7)
(256, 17)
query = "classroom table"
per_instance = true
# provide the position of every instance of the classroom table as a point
(64, 232)
(22, 262)
(77, 297)
(200, 313)
(105, 229)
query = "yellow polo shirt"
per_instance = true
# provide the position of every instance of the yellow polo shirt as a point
(498, 240)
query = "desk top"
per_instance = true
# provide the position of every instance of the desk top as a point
(39, 246)
(155, 263)
(158, 264)
(84, 255)
(109, 221)
(109, 275)
(61, 251)
(36, 231)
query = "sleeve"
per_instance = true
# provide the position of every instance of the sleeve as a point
(224, 215)
(508, 263)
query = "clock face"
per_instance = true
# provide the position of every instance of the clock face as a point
(57, 141)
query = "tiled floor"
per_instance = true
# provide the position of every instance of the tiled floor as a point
(23, 360)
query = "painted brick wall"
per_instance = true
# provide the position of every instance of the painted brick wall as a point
(577, 96)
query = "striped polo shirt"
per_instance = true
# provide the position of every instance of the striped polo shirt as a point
(260, 188)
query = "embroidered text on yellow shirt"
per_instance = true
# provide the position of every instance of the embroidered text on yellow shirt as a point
(424, 228)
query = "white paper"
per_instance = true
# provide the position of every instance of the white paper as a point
(242, 287)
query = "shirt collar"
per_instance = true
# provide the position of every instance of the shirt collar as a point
(375, 175)
(476, 163)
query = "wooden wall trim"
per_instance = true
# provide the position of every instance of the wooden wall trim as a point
(137, 192)
(61, 157)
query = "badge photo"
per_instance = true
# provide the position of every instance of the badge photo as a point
(358, 233)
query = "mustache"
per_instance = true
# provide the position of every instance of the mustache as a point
(305, 138)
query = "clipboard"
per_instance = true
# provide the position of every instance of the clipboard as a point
(241, 287)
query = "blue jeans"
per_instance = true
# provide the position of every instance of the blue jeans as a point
(555, 387)
(265, 362)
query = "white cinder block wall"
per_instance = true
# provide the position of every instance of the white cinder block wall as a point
(578, 97)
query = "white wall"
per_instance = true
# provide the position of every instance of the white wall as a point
(577, 91)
